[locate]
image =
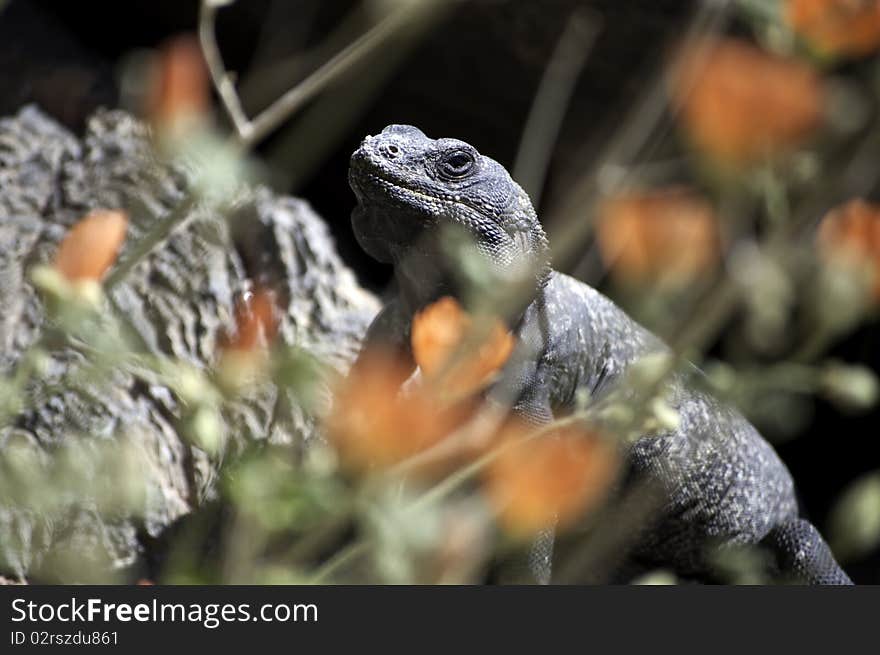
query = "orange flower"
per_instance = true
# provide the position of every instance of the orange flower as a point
(740, 104)
(256, 322)
(439, 334)
(91, 246)
(180, 91)
(850, 235)
(552, 478)
(847, 28)
(669, 234)
(373, 424)
(243, 357)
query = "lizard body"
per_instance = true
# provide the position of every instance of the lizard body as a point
(722, 482)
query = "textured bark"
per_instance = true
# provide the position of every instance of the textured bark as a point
(180, 300)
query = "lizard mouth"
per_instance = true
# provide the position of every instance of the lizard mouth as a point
(371, 181)
(372, 184)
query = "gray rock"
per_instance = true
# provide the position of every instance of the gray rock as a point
(179, 301)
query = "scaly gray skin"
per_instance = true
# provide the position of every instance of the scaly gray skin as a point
(723, 483)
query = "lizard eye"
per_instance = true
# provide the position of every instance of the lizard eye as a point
(456, 164)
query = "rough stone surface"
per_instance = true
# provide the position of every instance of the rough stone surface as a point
(180, 300)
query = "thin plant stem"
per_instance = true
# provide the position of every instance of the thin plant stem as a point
(151, 241)
(250, 131)
(551, 100)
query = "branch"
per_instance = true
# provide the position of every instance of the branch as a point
(250, 131)
(219, 75)
(551, 101)
(152, 240)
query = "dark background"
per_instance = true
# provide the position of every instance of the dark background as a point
(472, 77)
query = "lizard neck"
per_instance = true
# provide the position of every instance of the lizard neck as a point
(420, 281)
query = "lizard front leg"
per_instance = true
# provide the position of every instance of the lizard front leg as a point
(533, 407)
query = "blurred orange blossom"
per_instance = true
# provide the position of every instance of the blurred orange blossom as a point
(740, 104)
(180, 90)
(244, 357)
(549, 479)
(849, 28)
(256, 322)
(667, 234)
(90, 247)
(850, 234)
(441, 330)
(375, 424)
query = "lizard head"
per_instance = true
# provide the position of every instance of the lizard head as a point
(409, 185)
